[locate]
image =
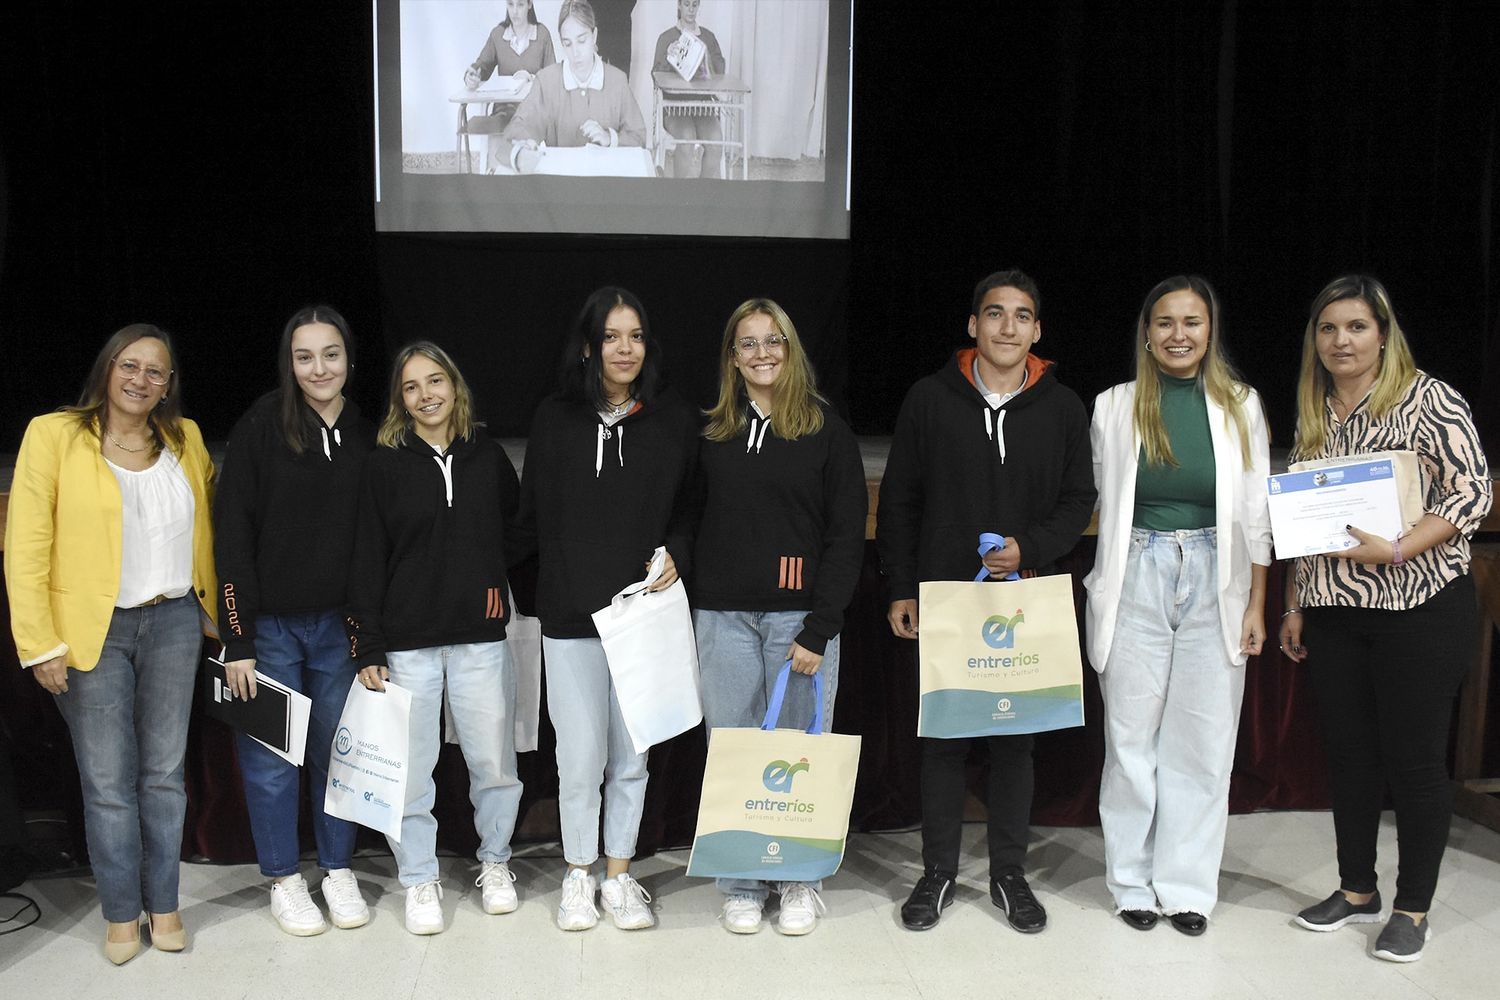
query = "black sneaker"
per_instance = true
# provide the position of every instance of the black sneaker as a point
(1402, 940)
(1336, 911)
(924, 907)
(1011, 893)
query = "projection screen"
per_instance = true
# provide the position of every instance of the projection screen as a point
(682, 117)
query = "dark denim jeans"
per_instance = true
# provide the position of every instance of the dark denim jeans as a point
(308, 653)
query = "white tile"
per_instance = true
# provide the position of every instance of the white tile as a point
(1274, 864)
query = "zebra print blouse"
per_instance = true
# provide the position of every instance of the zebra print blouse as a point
(1433, 420)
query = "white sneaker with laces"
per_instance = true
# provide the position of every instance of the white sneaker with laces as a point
(497, 886)
(627, 899)
(741, 913)
(576, 910)
(424, 908)
(800, 906)
(346, 907)
(294, 909)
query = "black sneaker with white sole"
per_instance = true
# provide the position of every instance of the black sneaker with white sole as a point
(1402, 939)
(1336, 911)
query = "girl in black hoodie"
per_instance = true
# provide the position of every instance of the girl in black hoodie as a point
(778, 554)
(283, 535)
(607, 462)
(427, 609)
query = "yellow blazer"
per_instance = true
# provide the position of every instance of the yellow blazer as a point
(63, 538)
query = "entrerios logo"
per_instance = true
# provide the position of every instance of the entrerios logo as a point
(999, 632)
(778, 775)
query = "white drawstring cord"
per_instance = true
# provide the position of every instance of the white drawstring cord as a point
(445, 462)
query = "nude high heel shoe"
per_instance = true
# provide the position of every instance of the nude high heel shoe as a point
(120, 952)
(174, 940)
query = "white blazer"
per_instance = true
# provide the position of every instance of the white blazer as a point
(1242, 518)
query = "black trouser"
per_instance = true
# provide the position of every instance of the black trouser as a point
(1385, 683)
(943, 792)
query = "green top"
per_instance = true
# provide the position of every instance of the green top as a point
(1180, 497)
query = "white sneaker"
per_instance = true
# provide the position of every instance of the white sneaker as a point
(741, 913)
(424, 908)
(346, 907)
(627, 899)
(576, 910)
(800, 906)
(497, 885)
(294, 909)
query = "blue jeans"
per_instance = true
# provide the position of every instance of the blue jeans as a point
(593, 747)
(481, 682)
(1171, 711)
(129, 720)
(308, 653)
(739, 655)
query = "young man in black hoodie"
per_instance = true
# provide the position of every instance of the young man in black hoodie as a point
(990, 443)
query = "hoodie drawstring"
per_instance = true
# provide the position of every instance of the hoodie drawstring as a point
(445, 462)
(756, 440)
(996, 431)
(618, 433)
(327, 452)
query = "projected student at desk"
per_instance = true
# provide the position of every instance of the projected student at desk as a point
(517, 47)
(577, 102)
(689, 124)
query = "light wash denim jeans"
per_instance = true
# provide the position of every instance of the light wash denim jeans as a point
(593, 746)
(129, 721)
(308, 653)
(481, 682)
(739, 655)
(1171, 711)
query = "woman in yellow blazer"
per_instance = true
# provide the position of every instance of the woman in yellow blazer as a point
(109, 567)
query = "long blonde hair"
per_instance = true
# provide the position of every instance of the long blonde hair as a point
(1397, 366)
(1217, 376)
(797, 412)
(398, 423)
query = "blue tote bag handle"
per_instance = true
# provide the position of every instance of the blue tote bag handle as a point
(778, 695)
(989, 542)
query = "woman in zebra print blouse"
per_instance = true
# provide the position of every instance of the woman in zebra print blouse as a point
(1388, 625)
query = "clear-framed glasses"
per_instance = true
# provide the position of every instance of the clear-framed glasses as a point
(749, 347)
(130, 369)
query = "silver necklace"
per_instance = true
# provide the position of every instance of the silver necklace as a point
(133, 451)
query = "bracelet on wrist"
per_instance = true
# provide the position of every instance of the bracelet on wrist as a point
(1396, 558)
(1291, 611)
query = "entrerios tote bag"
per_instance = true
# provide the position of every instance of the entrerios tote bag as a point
(775, 803)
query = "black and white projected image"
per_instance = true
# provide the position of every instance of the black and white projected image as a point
(729, 90)
(685, 117)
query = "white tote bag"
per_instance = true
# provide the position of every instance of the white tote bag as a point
(367, 768)
(653, 658)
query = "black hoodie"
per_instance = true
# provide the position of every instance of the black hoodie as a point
(783, 525)
(598, 500)
(958, 468)
(430, 550)
(284, 523)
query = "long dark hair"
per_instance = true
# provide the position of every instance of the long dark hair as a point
(92, 407)
(530, 15)
(299, 424)
(581, 379)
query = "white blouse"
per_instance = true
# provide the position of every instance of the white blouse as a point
(156, 554)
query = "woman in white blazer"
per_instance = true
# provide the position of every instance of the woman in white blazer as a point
(1176, 602)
